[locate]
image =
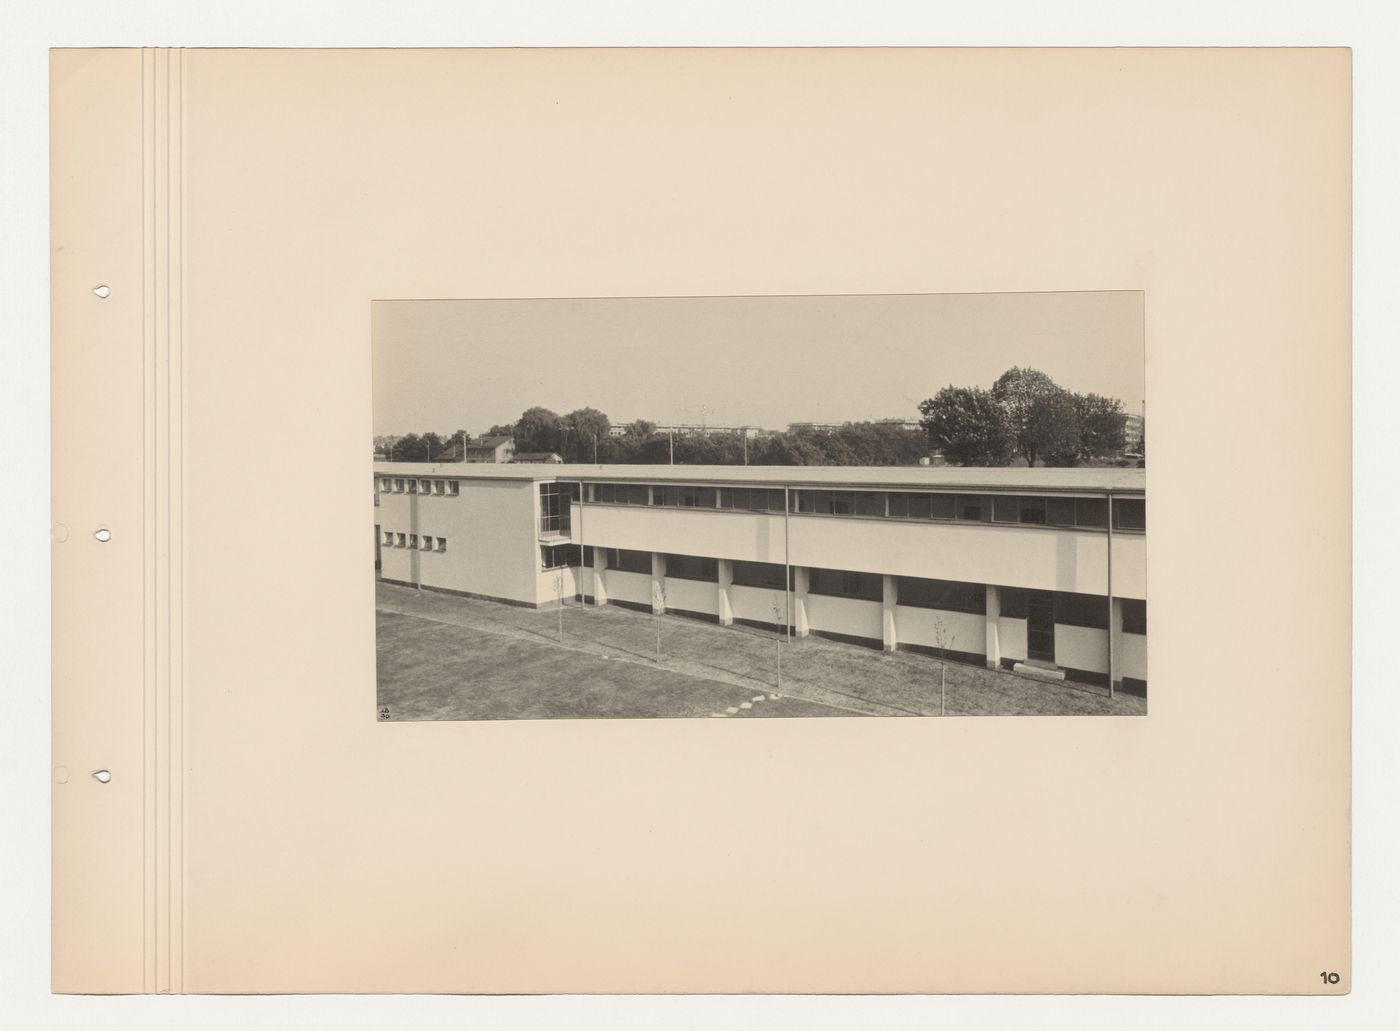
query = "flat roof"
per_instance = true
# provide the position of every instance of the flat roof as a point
(868, 476)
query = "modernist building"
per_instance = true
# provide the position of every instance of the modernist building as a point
(1038, 569)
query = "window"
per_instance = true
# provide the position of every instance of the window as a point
(752, 499)
(692, 567)
(948, 595)
(668, 495)
(401, 540)
(554, 508)
(385, 483)
(970, 507)
(558, 556)
(909, 506)
(1134, 616)
(869, 503)
(1059, 511)
(1014, 602)
(413, 540)
(425, 486)
(942, 506)
(1091, 513)
(442, 544)
(1129, 514)
(453, 487)
(439, 486)
(1086, 610)
(1006, 508)
(843, 583)
(398, 485)
(629, 561)
(697, 497)
(388, 537)
(767, 575)
(1033, 511)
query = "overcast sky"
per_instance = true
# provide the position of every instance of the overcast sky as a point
(762, 361)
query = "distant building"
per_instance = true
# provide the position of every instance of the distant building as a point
(817, 427)
(1133, 426)
(490, 449)
(690, 429)
(548, 457)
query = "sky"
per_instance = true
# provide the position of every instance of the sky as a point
(444, 365)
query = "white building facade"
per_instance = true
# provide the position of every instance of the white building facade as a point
(1042, 569)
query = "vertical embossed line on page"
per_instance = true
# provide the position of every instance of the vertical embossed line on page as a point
(164, 485)
(175, 323)
(150, 529)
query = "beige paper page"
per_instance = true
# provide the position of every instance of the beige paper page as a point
(263, 833)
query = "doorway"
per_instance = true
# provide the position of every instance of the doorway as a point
(1040, 626)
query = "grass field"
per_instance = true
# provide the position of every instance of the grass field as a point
(442, 657)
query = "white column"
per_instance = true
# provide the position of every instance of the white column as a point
(800, 628)
(890, 600)
(993, 634)
(724, 605)
(1115, 651)
(658, 582)
(600, 581)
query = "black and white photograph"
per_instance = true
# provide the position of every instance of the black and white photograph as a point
(737, 507)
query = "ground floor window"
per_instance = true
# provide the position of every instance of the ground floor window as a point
(1134, 616)
(766, 575)
(948, 595)
(558, 556)
(843, 583)
(692, 567)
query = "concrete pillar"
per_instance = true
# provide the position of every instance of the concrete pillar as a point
(993, 633)
(891, 599)
(724, 605)
(800, 579)
(658, 582)
(600, 580)
(1115, 648)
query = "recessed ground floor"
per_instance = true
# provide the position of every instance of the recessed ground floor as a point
(444, 657)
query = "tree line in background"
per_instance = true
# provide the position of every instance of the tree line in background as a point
(1025, 415)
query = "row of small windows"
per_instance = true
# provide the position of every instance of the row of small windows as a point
(409, 485)
(418, 542)
(1025, 509)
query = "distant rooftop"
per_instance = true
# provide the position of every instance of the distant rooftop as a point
(899, 477)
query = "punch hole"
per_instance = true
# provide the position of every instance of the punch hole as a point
(104, 535)
(104, 776)
(102, 290)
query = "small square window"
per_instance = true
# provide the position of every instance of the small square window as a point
(413, 540)
(398, 485)
(442, 544)
(453, 487)
(426, 544)
(400, 540)
(439, 487)
(388, 537)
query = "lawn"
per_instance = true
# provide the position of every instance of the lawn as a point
(445, 657)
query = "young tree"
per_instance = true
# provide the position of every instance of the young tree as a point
(940, 637)
(658, 605)
(967, 425)
(779, 605)
(559, 599)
